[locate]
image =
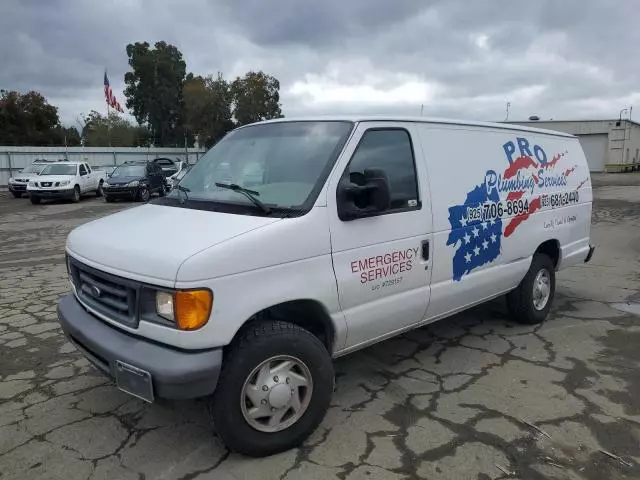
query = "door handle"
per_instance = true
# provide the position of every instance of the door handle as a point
(425, 249)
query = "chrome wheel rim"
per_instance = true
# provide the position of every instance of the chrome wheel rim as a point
(145, 194)
(541, 289)
(276, 394)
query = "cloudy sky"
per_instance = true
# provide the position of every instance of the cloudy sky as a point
(460, 58)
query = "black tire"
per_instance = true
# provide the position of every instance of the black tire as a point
(16, 194)
(34, 199)
(143, 194)
(259, 342)
(76, 194)
(161, 191)
(108, 199)
(520, 301)
(99, 191)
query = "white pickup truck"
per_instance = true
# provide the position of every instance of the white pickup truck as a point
(66, 180)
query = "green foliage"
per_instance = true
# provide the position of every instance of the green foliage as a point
(256, 97)
(207, 108)
(155, 88)
(28, 119)
(114, 131)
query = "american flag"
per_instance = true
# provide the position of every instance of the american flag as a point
(476, 241)
(109, 97)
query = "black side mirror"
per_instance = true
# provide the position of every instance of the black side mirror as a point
(363, 194)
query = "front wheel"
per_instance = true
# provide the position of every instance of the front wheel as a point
(274, 389)
(34, 199)
(16, 194)
(143, 194)
(76, 194)
(99, 191)
(531, 301)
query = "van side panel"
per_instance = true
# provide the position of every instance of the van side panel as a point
(497, 195)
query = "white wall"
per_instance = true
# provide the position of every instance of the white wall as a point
(12, 159)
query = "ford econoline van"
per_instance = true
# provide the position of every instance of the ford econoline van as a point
(292, 242)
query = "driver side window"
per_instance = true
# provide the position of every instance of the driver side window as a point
(83, 171)
(391, 151)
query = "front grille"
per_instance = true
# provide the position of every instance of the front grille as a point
(45, 184)
(118, 189)
(114, 297)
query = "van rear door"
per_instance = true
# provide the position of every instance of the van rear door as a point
(381, 262)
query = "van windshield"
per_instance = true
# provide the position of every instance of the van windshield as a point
(284, 164)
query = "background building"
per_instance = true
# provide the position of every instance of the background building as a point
(609, 145)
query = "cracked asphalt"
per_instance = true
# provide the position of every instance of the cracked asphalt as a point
(470, 397)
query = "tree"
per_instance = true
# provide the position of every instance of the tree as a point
(207, 108)
(115, 131)
(27, 119)
(256, 96)
(67, 136)
(154, 89)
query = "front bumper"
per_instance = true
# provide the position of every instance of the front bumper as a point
(18, 188)
(176, 374)
(60, 193)
(121, 192)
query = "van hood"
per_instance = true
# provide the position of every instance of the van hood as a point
(150, 242)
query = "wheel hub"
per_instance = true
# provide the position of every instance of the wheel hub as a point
(541, 289)
(276, 394)
(279, 396)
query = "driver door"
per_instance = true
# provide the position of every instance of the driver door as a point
(382, 262)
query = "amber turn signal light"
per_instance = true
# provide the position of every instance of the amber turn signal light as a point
(193, 308)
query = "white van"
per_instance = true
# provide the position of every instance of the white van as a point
(353, 230)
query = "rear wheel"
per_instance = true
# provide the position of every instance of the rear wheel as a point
(76, 194)
(274, 389)
(99, 191)
(531, 301)
(34, 199)
(108, 199)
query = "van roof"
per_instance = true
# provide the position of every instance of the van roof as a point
(409, 119)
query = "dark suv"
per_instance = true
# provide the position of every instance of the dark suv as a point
(134, 181)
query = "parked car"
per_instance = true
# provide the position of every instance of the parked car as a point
(18, 184)
(134, 181)
(174, 179)
(361, 229)
(169, 167)
(66, 180)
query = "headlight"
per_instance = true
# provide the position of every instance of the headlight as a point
(32, 184)
(190, 309)
(135, 183)
(65, 182)
(106, 184)
(164, 305)
(10, 179)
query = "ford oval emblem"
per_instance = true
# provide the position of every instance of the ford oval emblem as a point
(96, 291)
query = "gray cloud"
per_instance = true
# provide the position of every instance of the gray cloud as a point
(466, 59)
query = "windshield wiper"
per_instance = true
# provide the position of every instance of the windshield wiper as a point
(184, 190)
(250, 194)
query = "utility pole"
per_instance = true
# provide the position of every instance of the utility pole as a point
(421, 109)
(506, 117)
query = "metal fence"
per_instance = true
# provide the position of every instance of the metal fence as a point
(13, 159)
